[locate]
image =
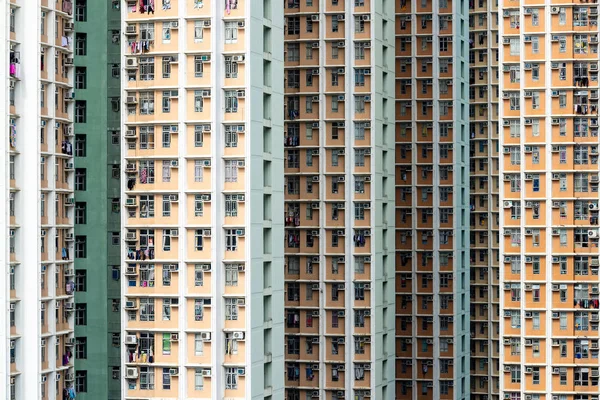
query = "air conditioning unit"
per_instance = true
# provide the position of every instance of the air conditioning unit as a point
(131, 373)
(205, 336)
(131, 30)
(507, 204)
(238, 335)
(593, 233)
(174, 163)
(131, 340)
(174, 371)
(131, 63)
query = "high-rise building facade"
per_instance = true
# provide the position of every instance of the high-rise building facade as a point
(202, 197)
(549, 198)
(37, 165)
(484, 210)
(432, 199)
(97, 199)
(339, 199)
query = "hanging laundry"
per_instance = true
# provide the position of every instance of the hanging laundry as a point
(13, 136)
(67, 7)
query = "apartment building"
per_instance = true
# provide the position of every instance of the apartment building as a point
(549, 199)
(39, 248)
(202, 197)
(97, 199)
(485, 186)
(432, 199)
(339, 198)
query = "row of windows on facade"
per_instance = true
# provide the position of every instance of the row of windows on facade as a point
(294, 344)
(582, 127)
(293, 77)
(147, 171)
(444, 44)
(582, 182)
(148, 379)
(147, 68)
(293, 25)
(146, 102)
(293, 4)
(580, 237)
(147, 30)
(292, 53)
(293, 267)
(147, 139)
(582, 43)
(147, 311)
(232, 237)
(582, 376)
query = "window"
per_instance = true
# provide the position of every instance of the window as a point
(81, 381)
(80, 280)
(198, 170)
(146, 378)
(198, 275)
(231, 135)
(198, 136)
(515, 374)
(80, 314)
(146, 309)
(359, 103)
(198, 345)
(80, 145)
(166, 33)
(198, 67)
(81, 348)
(231, 68)
(359, 157)
(231, 32)
(293, 25)
(231, 101)
(199, 240)
(80, 111)
(80, 247)
(231, 378)
(80, 213)
(198, 101)
(80, 44)
(147, 103)
(199, 310)
(231, 274)
(147, 31)
(231, 309)
(231, 205)
(293, 52)
(80, 77)
(166, 102)
(81, 10)
(231, 170)
(198, 379)
(198, 31)
(166, 379)
(231, 240)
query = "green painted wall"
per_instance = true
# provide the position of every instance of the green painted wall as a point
(102, 27)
